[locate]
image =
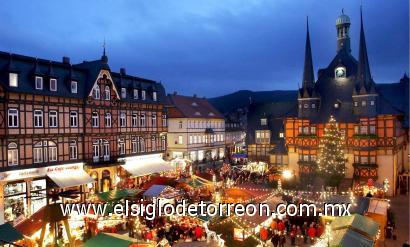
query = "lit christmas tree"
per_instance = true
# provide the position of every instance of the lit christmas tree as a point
(331, 159)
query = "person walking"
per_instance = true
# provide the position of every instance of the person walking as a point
(275, 239)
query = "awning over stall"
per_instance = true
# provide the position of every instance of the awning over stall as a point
(9, 234)
(70, 178)
(145, 165)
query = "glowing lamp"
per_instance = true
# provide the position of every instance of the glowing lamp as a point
(287, 174)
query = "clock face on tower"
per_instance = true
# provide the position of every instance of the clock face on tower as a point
(340, 72)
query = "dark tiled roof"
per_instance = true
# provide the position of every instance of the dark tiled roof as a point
(274, 113)
(84, 73)
(193, 107)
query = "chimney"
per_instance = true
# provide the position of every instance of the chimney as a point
(123, 71)
(175, 93)
(66, 60)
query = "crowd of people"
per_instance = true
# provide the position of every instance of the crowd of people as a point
(297, 233)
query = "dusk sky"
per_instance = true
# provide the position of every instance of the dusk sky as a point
(208, 48)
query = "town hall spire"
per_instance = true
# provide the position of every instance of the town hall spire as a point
(308, 73)
(363, 71)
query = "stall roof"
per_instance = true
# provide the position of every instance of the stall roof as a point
(348, 237)
(70, 179)
(357, 223)
(105, 240)
(156, 190)
(48, 213)
(115, 195)
(9, 234)
(146, 167)
(360, 207)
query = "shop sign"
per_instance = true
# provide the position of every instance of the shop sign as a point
(38, 172)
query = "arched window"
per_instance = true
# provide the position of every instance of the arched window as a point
(163, 142)
(106, 150)
(52, 151)
(153, 143)
(96, 92)
(95, 119)
(107, 93)
(12, 154)
(44, 151)
(108, 119)
(96, 150)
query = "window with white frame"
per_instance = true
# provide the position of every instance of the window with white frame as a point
(39, 82)
(123, 119)
(153, 143)
(53, 84)
(371, 102)
(163, 143)
(180, 139)
(38, 118)
(73, 119)
(73, 150)
(121, 146)
(107, 119)
(13, 79)
(363, 129)
(96, 150)
(12, 154)
(190, 139)
(106, 149)
(180, 124)
(164, 120)
(135, 93)
(154, 120)
(95, 119)
(262, 136)
(134, 120)
(74, 87)
(372, 129)
(364, 102)
(143, 95)
(141, 144)
(142, 120)
(134, 146)
(52, 151)
(107, 93)
(154, 96)
(38, 152)
(123, 92)
(96, 92)
(53, 119)
(264, 121)
(13, 118)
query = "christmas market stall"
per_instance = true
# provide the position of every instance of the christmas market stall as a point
(353, 230)
(371, 188)
(163, 193)
(181, 165)
(377, 211)
(258, 167)
(245, 192)
(10, 235)
(102, 222)
(48, 226)
(197, 187)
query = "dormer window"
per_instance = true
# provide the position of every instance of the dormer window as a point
(194, 104)
(123, 92)
(39, 82)
(313, 105)
(74, 87)
(306, 106)
(211, 114)
(356, 103)
(371, 102)
(154, 96)
(53, 84)
(364, 103)
(143, 94)
(96, 92)
(340, 72)
(13, 79)
(264, 121)
(197, 113)
(135, 93)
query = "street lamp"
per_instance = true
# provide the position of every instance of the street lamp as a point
(286, 174)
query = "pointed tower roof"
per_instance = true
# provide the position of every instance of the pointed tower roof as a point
(363, 71)
(308, 74)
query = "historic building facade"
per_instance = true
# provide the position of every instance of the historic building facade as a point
(373, 118)
(196, 129)
(64, 127)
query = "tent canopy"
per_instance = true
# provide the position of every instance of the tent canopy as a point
(115, 195)
(358, 223)
(105, 240)
(378, 206)
(144, 167)
(71, 178)
(156, 190)
(348, 237)
(9, 234)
